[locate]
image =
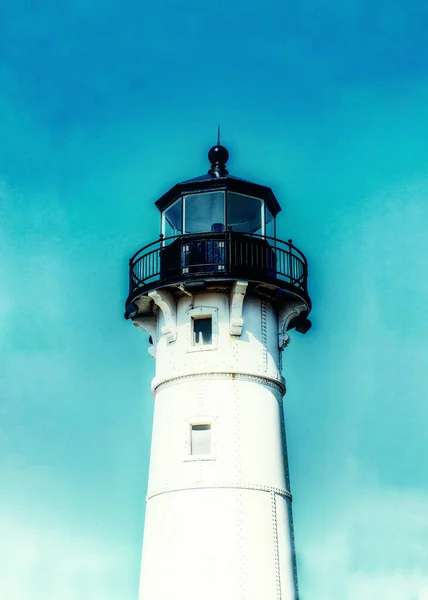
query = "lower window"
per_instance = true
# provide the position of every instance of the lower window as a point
(200, 439)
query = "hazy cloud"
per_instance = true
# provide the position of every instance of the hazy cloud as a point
(50, 559)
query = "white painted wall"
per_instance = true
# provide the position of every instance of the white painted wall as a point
(218, 527)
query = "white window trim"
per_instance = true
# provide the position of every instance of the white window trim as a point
(263, 220)
(163, 224)
(203, 312)
(200, 420)
(183, 214)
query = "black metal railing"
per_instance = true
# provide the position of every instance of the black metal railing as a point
(217, 255)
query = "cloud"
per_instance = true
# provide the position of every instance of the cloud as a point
(374, 547)
(46, 560)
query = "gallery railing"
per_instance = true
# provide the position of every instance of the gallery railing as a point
(217, 255)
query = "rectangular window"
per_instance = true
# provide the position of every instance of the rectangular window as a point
(202, 331)
(200, 440)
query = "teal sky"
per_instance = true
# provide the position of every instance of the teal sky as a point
(103, 106)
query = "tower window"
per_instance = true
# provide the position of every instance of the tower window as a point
(202, 331)
(200, 439)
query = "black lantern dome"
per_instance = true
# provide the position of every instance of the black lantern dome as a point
(235, 204)
(215, 229)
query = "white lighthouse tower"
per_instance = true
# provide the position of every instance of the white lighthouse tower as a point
(217, 293)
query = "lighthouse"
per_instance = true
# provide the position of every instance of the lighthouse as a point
(218, 292)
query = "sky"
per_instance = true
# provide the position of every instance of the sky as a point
(103, 107)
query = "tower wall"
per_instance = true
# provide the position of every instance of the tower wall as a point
(218, 525)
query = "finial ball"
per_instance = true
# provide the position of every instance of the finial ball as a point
(218, 155)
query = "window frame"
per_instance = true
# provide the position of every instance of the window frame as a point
(202, 312)
(200, 420)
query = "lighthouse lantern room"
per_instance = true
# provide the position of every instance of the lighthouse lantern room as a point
(217, 292)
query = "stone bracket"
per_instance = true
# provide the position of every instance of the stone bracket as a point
(165, 301)
(147, 324)
(236, 303)
(286, 313)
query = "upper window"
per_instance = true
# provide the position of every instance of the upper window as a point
(202, 331)
(244, 213)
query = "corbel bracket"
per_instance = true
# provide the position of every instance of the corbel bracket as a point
(237, 296)
(286, 313)
(166, 303)
(147, 324)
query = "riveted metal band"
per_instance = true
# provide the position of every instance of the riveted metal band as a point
(276, 385)
(293, 551)
(276, 546)
(240, 549)
(263, 315)
(231, 486)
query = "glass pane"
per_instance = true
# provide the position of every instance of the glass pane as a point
(173, 219)
(270, 224)
(244, 213)
(200, 442)
(204, 212)
(202, 331)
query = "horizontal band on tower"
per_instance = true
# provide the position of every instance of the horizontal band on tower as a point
(276, 385)
(231, 486)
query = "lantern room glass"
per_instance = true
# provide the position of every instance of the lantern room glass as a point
(269, 223)
(218, 211)
(172, 219)
(204, 212)
(245, 213)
